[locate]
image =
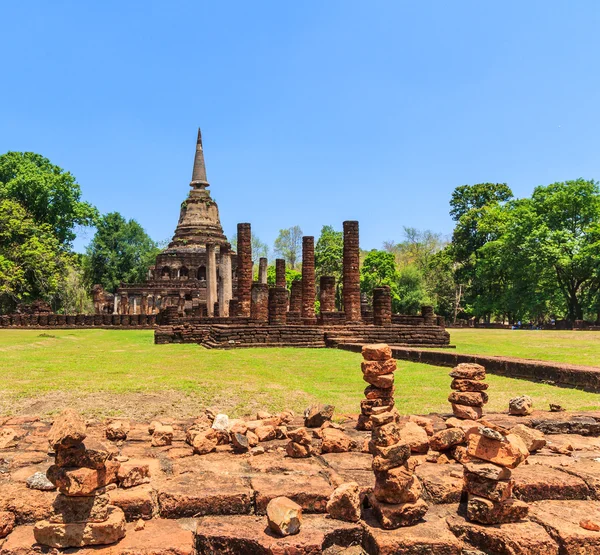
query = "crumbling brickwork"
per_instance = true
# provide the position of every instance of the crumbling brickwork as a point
(244, 246)
(296, 297)
(382, 306)
(308, 279)
(428, 316)
(327, 293)
(260, 302)
(278, 301)
(280, 272)
(351, 276)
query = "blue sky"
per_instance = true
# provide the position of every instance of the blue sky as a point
(312, 112)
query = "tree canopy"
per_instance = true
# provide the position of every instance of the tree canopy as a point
(288, 245)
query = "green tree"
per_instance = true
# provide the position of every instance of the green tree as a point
(74, 297)
(329, 255)
(31, 260)
(410, 294)
(379, 268)
(288, 245)
(120, 251)
(48, 194)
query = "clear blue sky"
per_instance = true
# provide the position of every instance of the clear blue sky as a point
(312, 112)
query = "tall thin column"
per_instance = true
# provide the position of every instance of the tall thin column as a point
(211, 280)
(244, 246)
(308, 279)
(327, 293)
(351, 279)
(280, 272)
(134, 305)
(262, 270)
(296, 297)
(116, 304)
(382, 306)
(226, 291)
(144, 304)
(259, 309)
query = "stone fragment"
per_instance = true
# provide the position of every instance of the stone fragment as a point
(8, 438)
(468, 385)
(466, 412)
(377, 351)
(484, 511)
(533, 439)
(424, 422)
(389, 434)
(415, 436)
(374, 367)
(391, 457)
(139, 525)
(336, 441)
(385, 381)
(92, 454)
(284, 516)
(384, 396)
(221, 423)
(237, 427)
(397, 486)
(344, 502)
(133, 473)
(300, 435)
(491, 433)
(7, 523)
(89, 508)
(495, 490)
(258, 450)
(266, 433)
(384, 418)
(239, 442)
(520, 406)
(588, 524)
(68, 429)
(252, 438)
(468, 371)
(444, 439)
(40, 482)
(82, 481)
(162, 435)
(206, 441)
(467, 426)
(556, 408)
(562, 448)
(297, 450)
(468, 398)
(316, 415)
(117, 430)
(509, 453)
(81, 534)
(395, 516)
(487, 470)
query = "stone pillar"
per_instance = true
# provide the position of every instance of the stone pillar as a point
(427, 314)
(244, 269)
(124, 303)
(116, 304)
(327, 294)
(259, 308)
(308, 280)
(211, 279)
(134, 305)
(351, 281)
(262, 270)
(278, 300)
(181, 304)
(280, 273)
(296, 297)
(226, 290)
(382, 306)
(144, 304)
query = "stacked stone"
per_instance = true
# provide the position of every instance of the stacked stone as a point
(259, 307)
(378, 369)
(351, 272)
(382, 306)
(487, 476)
(296, 297)
(396, 498)
(428, 315)
(469, 394)
(244, 269)
(327, 294)
(278, 301)
(280, 272)
(308, 280)
(82, 514)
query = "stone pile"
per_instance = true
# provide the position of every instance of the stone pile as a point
(82, 514)
(488, 477)
(378, 369)
(396, 499)
(469, 394)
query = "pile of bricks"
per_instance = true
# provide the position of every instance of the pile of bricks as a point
(469, 394)
(378, 369)
(82, 514)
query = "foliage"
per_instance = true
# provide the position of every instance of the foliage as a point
(48, 194)
(120, 251)
(410, 291)
(74, 295)
(329, 255)
(290, 276)
(379, 268)
(288, 245)
(259, 249)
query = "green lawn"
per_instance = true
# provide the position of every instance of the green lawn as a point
(574, 347)
(110, 372)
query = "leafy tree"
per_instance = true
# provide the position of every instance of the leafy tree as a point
(379, 268)
(329, 255)
(288, 245)
(31, 260)
(120, 251)
(410, 294)
(74, 295)
(48, 194)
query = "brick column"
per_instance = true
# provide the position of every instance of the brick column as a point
(144, 304)
(428, 317)
(211, 280)
(308, 280)
(244, 270)
(262, 270)
(280, 272)
(382, 306)
(327, 293)
(259, 308)
(351, 281)
(296, 297)
(278, 300)
(226, 290)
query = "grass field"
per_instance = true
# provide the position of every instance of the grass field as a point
(109, 372)
(574, 347)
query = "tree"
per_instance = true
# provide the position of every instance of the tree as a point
(74, 296)
(31, 259)
(410, 291)
(379, 268)
(288, 245)
(259, 249)
(290, 276)
(120, 251)
(48, 194)
(329, 255)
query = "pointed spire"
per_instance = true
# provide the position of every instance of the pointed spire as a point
(199, 171)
